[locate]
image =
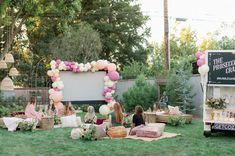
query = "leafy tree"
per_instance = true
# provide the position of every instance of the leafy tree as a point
(208, 43)
(42, 21)
(121, 26)
(80, 44)
(226, 43)
(134, 69)
(142, 93)
(179, 91)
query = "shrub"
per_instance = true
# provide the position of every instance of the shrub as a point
(11, 104)
(176, 120)
(179, 91)
(134, 69)
(142, 93)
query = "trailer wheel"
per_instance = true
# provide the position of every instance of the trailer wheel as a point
(207, 133)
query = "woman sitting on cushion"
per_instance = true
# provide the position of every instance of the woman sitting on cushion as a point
(90, 115)
(30, 110)
(117, 115)
(138, 117)
(69, 110)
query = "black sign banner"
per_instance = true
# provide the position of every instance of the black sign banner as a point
(222, 68)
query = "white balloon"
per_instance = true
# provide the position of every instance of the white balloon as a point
(56, 71)
(113, 91)
(52, 62)
(53, 67)
(54, 84)
(61, 67)
(110, 84)
(81, 68)
(56, 74)
(104, 110)
(49, 73)
(93, 70)
(51, 91)
(203, 69)
(108, 94)
(106, 78)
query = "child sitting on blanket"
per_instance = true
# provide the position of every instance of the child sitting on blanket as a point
(90, 115)
(69, 110)
(138, 117)
(30, 110)
(116, 115)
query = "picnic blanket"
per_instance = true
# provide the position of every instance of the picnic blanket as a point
(164, 135)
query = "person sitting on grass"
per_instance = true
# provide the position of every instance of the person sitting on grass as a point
(90, 115)
(69, 110)
(138, 117)
(30, 110)
(117, 115)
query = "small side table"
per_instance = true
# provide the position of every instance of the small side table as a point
(150, 117)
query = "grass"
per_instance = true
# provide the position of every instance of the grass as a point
(57, 142)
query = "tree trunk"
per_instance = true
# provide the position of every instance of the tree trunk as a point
(166, 37)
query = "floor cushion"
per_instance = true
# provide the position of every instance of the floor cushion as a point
(133, 131)
(148, 132)
(152, 130)
(117, 132)
(100, 130)
(69, 121)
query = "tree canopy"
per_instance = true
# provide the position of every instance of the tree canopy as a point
(121, 26)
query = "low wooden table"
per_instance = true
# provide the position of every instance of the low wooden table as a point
(164, 118)
(150, 117)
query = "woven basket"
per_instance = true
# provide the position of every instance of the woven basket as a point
(47, 123)
(117, 132)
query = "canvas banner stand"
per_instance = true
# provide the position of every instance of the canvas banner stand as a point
(220, 83)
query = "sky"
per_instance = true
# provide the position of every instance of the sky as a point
(202, 16)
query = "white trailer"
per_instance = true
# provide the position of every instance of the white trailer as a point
(219, 82)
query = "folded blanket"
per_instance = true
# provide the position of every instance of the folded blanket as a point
(12, 122)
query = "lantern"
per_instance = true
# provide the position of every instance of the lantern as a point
(13, 72)
(3, 64)
(7, 84)
(9, 58)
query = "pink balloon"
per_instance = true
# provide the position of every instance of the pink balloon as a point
(74, 69)
(100, 64)
(111, 67)
(106, 91)
(58, 61)
(200, 62)
(78, 70)
(56, 89)
(53, 78)
(198, 54)
(113, 75)
(108, 99)
(113, 87)
(56, 96)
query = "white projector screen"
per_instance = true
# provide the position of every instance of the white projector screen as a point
(83, 86)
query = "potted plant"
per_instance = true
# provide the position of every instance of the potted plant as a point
(216, 104)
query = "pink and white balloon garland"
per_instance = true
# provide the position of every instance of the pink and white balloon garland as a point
(203, 68)
(110, 79)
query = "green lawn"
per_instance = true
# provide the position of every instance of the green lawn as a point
(57, 142)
